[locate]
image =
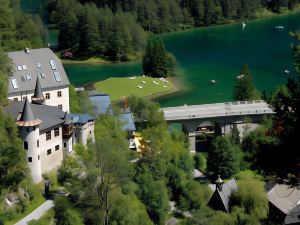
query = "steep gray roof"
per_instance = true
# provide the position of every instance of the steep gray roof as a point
(27, 114)
(225, 193)
(38, 89)
(50, 115)
(293, 217)
(28, 66)
(284, 197)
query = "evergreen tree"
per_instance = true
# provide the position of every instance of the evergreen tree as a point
(223, 158)
(155, 58)
(235, 135)
(244, 87)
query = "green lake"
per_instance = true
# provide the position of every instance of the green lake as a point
(216, 53)
(213, 53)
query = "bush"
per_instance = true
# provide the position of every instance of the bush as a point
(200, 162)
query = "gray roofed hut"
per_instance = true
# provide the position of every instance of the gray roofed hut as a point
(220, 200)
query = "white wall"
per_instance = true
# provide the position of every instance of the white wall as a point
(52, 161)
(33, 151)
(53, 101)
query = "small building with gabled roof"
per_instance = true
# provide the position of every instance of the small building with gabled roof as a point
(284, 204)
(220, 200)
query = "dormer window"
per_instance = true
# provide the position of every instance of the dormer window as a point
(19, 68)
(57, 76)
(52, 64)
(24, 67)
(28, 77)
(39, 65)
(43, 75)
(14, 83)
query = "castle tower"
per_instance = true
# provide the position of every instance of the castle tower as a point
(30, 132)
(67, 134)
(38, 97)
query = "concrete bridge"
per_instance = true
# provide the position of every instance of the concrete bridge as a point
(197, 119)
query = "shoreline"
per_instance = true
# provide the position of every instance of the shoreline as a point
(177, 87)
(104, 62)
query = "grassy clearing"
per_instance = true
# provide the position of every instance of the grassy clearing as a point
(118, 87)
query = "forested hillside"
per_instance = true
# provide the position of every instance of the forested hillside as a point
(19, 30)
(117, 28)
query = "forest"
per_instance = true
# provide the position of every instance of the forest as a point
(19, 30)
(118, 29)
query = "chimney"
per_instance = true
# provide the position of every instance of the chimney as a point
(27, 50)
(219, 183)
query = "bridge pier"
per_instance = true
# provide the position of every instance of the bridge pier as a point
(192, 144)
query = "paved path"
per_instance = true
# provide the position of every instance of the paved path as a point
(37, 213)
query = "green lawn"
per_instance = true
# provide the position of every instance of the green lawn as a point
(118, 87)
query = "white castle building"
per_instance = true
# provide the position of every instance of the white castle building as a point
(40, 93)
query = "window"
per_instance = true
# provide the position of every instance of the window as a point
(43, 75)
(25, 145)
(48, 151)
(39, 65)
(60, 106)
(38, 143)
(56, 147)
(52, 64)
(24, 67)
(29, 159)
(28, 77)
(65, 145)
(47, 95)
(24, 98)
(56, 132)
(14, 83)
(59, 94)
(38, 157)
(57, 76)
(15, 99)
(23, 78)
(19, 68)
(48, 135)
(33, 128)
(27, 129)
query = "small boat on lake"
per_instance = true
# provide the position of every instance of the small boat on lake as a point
(240, 76)
(139, 86)
(287, 72)
(279, 27)
(243, 25)
(213, 81)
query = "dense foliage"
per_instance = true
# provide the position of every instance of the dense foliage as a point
(117, 28)
(19, 30)
(156, 61)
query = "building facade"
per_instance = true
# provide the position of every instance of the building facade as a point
(39, 90)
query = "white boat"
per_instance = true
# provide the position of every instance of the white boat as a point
(240, 76)
(139, 86)
(287, 72)
(132, 78)
(244, 25)
(279, 27)
(144, 82)
(213, 81)
(154, 82)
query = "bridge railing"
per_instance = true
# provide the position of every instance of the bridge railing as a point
(188, 115)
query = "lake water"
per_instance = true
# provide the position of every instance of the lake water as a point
(214, 53)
